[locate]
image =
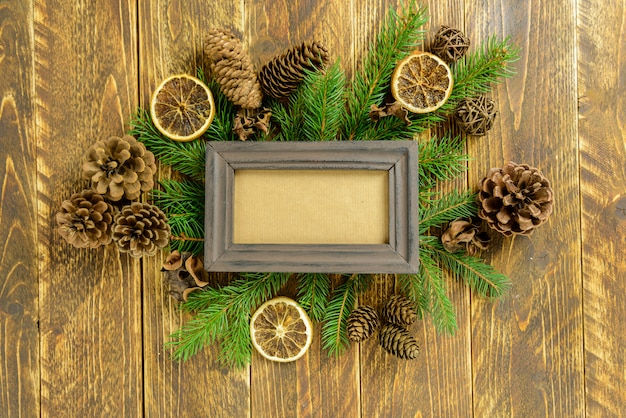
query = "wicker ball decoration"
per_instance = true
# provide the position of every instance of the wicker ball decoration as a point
(450, 44)
(85, 220)
(475, 115)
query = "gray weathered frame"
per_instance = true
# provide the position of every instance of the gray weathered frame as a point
(400, 158)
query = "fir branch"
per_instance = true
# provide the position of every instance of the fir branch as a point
(323, 114)
(334, 331)
(441, 159)
(290, 116)
(184, 157)
(479, 276)
(398, 36)
(221, 314)
(452, 206)
(313, 293)
(221, 129)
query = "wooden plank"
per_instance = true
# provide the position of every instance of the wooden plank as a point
(601, 90)
(315, 385)
(526, 348)
(19, 333)
(171, 35)
(90, 300)
(438, 382)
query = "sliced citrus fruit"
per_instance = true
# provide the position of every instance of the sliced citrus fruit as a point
(182, 107)
(281, 330)
(422, 82)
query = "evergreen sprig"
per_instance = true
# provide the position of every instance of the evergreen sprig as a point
(324, 93)
(334, 330)
(313, 294)
(441, 159)
(447, 208)
(223, 314)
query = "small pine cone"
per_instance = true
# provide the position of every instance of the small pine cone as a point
(85, 220)
(362, 323)
(475, 115)
(398, 341)
(450, 44)
(233, 69)
(399, 310)
(464, 234)
(140, 229)
(119, 168)
(282, 75)
(515, 199)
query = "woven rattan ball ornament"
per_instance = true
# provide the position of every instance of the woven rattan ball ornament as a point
(396, 340)
(140, 229)
(399, 310)
(362, 323)
(85, 220)
(475, 115)
(515, 199)
(450, 44)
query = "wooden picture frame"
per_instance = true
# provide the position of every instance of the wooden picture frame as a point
(398, 158)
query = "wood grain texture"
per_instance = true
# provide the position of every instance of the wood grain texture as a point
(19, 332)
(90, 300)
(324, 387)
(527, 347)
(171, 35)
(602, 128)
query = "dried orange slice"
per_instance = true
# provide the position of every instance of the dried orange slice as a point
(422, 82)
(281, 330)
(182, 107)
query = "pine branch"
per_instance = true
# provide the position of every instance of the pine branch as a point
(334, 331)
(184, 157)
(479, 276)
(221, 129)
(325, 105)
(441, 159)
(221, 314)
(398, 36)
(434, 286)
(313, 293)
(452, 206)
(290, 116)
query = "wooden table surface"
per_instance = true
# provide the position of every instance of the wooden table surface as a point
(81, 331)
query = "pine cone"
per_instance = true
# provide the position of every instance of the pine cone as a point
(450, 44)
(233, 69)
(140, 229)
(119, 167)
(185, 273)
(515, 199)
(85, 220)
(399, 310)
(362, 323)
(282, 75)
(246, 125)
(465, 235)
(475, 115)
(398, 341)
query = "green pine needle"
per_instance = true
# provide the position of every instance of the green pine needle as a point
(449, 207)
(441, 159)
(313, 294)
(334, 331)
(399, 35)
(324, 91)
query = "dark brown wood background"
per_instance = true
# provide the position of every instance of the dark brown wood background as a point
(81, 331)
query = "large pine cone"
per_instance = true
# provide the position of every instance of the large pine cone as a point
(399, 310)
(362, 323)
(515, 199)
(85, 220)
(233, 69)
(282, 75)
(119, 168)
(140, 229)
(398, 341)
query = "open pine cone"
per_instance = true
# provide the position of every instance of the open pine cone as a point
(233, 69)
(515, 199)
(119, 168)
(140, 229)
(463, 234)
(85, 220)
